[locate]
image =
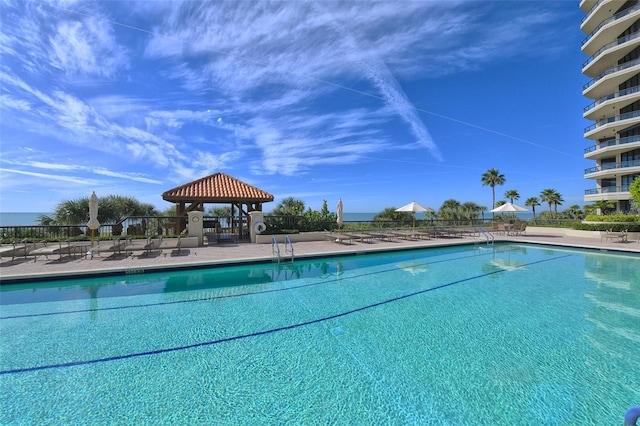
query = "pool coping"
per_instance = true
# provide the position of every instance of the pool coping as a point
(246, 253)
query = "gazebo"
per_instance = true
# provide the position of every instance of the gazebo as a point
(218, 188)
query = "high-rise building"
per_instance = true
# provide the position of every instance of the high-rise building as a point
(612, 45)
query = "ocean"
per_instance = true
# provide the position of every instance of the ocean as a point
(20, 219)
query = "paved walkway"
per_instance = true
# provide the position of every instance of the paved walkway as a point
(27, 268)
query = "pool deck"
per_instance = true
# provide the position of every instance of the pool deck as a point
(26, 269)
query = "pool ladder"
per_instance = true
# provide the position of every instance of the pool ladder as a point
(288, 248)
(485, 232)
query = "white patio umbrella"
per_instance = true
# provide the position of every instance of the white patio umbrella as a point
(339, 210)
(508, 207)
(93, 223)
(414, 207)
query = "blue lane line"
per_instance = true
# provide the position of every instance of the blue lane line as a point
(204, 299)
(258, 333)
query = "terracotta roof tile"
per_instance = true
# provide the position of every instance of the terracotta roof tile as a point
(216, 188)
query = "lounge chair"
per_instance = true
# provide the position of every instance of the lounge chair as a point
(14, 249)
(60, 248)
(363, 237)
(338, 237)
(116, 247)
(405, 234)
(146, 245)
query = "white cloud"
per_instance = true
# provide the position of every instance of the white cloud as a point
(86, 48)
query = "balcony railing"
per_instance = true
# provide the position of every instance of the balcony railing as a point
(607, 190)
(612, 166)
(621, 93)
(608, 46)
(613, 142)
(617, 16)
(611, 71)
(595, 6)
(613, 119)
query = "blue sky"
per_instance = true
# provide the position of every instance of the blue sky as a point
(377, 103)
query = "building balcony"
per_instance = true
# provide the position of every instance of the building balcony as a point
(611, 103)
(607, 127)
(600, 11)
(607, 194)
(609, 54)
(612, 169)
(609, 30)
(609, 80)
(587, 5)
(610, 148)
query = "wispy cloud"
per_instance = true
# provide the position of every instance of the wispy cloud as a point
(75, 168)
(70, 179)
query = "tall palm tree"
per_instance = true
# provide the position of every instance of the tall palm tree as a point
(512, 194)
(547, 196)
(552, 197)
(557, 201)
(492, 177)
(532, 202)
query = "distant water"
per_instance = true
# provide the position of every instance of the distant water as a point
(358, 217)
(20, 219)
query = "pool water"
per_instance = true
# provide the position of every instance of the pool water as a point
(467, 335)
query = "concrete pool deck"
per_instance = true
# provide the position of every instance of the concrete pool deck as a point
(25, 269)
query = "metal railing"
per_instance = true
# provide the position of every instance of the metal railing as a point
(613, 142)
(615, 17)
(608, 120)
(607, 190)
(612, 166)
(619, 94)
(608, 46)
(610, 71)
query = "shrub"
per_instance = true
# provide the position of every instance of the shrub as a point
(616, 227)
(613, 218)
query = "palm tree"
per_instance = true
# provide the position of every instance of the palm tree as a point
(112, 209)
(451, 209)
(512, 194)
(574, 211)
(532, 202)
(547, 196)
(604, 206)
(289, 207)
(557, 201)
(390, 213)
(472, 210)
(552, 197)
(492, 177)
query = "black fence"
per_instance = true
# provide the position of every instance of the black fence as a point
(143, 226)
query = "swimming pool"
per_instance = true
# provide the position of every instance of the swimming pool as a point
(510, 335)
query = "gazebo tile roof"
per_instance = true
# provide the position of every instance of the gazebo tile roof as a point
(217, 187)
